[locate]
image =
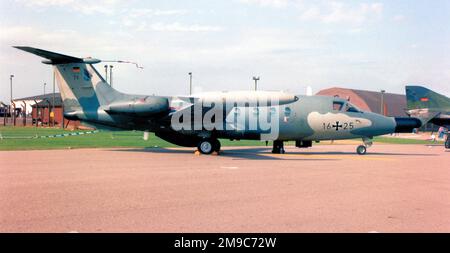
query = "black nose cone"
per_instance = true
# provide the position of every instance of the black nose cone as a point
(406, 125)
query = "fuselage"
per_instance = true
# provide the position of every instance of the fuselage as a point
(297, 117)
(300, 117)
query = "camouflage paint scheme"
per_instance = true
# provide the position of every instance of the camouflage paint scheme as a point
(89, 98)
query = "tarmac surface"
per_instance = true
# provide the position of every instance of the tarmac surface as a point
(328, 188)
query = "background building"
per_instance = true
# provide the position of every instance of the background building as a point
(37, 110)
(30, 101)
(393, 105)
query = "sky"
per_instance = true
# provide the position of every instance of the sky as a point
(289, 44)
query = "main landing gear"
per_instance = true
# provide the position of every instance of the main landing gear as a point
(362, 149)
(278, 147)
(207, 146)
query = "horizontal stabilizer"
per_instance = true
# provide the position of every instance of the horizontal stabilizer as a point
(55, 58)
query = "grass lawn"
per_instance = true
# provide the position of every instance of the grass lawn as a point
(392, 140)
(24, 138)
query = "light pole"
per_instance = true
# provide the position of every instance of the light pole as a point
(11, 96)
(256, 79)
(53, 101)
(106, 73)
(382, 102)
(190, 83)
(110, 74)
(44, 88)
(10, 80)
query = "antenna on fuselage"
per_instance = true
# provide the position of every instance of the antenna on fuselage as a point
(128, 62)
(111, 67)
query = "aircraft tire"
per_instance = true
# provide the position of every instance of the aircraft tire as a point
(206, 146)
(278, 147)
(361, 150)
(216, 145)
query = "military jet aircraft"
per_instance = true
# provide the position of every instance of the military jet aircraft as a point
(427, 104)
(201, 120)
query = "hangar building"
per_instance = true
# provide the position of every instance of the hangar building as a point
(388, 104)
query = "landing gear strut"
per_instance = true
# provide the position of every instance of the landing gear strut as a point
(278, 147)
(362, 149)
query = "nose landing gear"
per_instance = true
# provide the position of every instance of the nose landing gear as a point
(362, 149)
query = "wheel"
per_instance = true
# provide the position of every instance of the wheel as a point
(278, 147)
(216, 145)
(205, 146)
(278, 151)
(447, 142)
(361, 150)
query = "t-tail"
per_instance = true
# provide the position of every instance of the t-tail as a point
(82, 87)
(89, 98)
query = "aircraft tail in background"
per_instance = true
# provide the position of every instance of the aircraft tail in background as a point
(418, 97)
(428, 105)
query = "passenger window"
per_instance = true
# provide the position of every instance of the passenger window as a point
(287, 112)
(337, 106)
(273, 110)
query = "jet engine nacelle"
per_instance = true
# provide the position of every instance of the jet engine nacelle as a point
(147, 106)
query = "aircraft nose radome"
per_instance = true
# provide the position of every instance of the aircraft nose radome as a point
(406, 125)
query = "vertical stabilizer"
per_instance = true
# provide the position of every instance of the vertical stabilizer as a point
(418, 97)
(82, 87)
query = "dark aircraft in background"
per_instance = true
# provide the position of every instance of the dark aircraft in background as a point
(425, 103)
(256, 115)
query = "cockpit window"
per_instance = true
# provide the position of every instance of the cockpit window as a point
(351, 108)
(337, 106)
